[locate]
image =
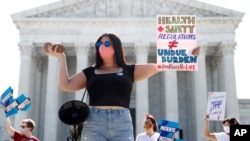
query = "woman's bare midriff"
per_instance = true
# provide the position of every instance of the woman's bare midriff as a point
(108, 107)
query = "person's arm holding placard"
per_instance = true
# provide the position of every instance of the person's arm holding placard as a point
(207, 134)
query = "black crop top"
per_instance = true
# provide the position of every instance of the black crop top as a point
(112, 89)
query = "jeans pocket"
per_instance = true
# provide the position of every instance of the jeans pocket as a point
(126, 117)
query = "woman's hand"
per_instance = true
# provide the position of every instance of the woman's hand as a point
(196, 51)
(55, 50)
(206, 117)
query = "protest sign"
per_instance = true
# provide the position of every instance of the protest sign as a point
(167, 130)
(12, 106)
(216, 105)
(176, 38)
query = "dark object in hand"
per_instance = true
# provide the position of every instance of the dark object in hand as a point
(60, 48)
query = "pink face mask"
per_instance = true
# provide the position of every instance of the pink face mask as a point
(106, 52)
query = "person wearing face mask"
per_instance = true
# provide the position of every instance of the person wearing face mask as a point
(150, 127)
(219, 136)
(109, 83)
(25, 134)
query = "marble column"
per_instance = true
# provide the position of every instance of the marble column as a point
(228, 75)
(199, 94)
(81, 50)
(37, 96)
(170, 95)
(25, 78)
(51, 104)
(214, 67)
(216, 75)
(142, 103)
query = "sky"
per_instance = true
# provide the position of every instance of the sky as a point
(10, 55)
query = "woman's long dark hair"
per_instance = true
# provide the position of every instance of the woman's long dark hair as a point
(119, 52)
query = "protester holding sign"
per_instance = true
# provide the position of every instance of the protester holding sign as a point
(219, 136)
(109, 83)
(25, 134)
(11, 107)
(150, 127)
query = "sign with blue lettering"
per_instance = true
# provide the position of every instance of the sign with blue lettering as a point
(6, 97)
(167, 130)
(176, 39)
(12, 106)
(216, 105)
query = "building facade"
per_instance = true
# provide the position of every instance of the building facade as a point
(173, 95)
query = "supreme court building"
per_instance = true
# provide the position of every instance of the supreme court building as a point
(173, 95)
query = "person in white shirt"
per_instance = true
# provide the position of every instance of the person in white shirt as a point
(150, 127)
(219, 136)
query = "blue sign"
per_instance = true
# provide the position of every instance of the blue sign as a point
(12, 106)
(167, 130)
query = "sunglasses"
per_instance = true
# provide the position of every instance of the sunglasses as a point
(148, 122)
(23, 126)
(106, 44)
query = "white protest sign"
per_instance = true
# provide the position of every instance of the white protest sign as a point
(216, 105)
(176, 38)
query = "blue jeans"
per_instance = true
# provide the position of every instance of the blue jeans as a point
(108, 125)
